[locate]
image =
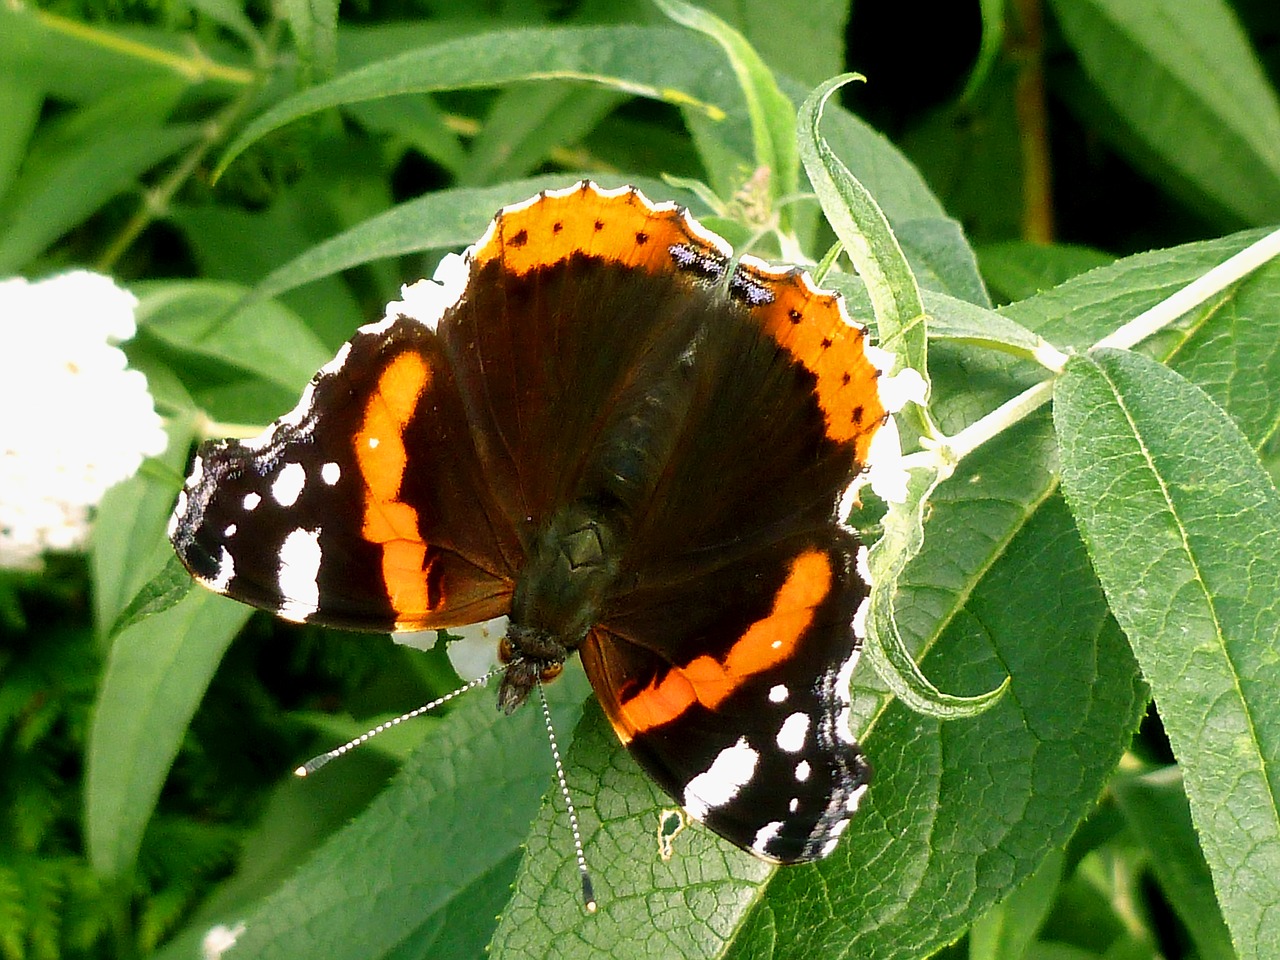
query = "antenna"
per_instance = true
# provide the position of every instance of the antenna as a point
(588, 891)
(315, 763)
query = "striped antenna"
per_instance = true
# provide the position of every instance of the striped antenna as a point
(315, 763)
(588, 890)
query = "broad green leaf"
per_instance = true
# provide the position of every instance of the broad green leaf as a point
(1183, 527)
(684, 906)
(1016, 269)
(447, 828)
(1155, 807)
(867, 237)
(1181, 75)
(773, 123)
(156, 675)
(959, 320)
(643, 61)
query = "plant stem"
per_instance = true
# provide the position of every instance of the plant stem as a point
(196, 69)
(1193, 294)
(156, 200)
(951, 450)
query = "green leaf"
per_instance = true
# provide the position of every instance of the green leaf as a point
(22, 100)
(1155, 808)
(129, 545)
(436, 221)
(866, 235)
(964, 322)
(314, 24)
(1006, 932)
(773, 123)
(157, 672)
(685, 906)
(642, 61)
(1182, 76)
(1183, 527)
(884, 648)
(164, 590)
(407, 870)
(778, 28)
(1017, 269)
(200, 319)
(527, 124)
(64, 182)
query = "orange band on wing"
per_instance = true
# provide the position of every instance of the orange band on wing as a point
(810, 324)
(622, 227)
(380, 451)
(766, 643)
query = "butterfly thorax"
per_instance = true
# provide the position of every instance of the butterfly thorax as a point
(557, 599)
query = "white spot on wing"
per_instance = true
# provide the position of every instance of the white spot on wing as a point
(297, 575)
(330, 473)
(230, 530)
(226, 571)
(288, 484)
(732, 768)
(794, 729)
(803, 770)
(250, 502)
(764, 835)
(794, 805)
(779, 693)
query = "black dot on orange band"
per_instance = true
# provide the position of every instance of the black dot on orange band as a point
(794, 315)
(520, 239)
(857, 414)
(599, 225)
(641, 237)
(845, 378)
(557, 227)
(826, 342)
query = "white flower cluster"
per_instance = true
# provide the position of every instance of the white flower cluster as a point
(73, 419)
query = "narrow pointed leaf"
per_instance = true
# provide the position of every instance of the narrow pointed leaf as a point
(1183, 526)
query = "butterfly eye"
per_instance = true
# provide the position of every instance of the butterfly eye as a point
(551, 671)
(505, 653)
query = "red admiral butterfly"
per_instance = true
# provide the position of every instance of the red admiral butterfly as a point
(600, 425)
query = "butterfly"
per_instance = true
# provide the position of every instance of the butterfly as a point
(599, 424)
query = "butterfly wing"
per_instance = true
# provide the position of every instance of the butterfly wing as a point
(366, 507)
(731, 691)
(724, 661)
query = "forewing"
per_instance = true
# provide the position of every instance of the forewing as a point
(366, 507)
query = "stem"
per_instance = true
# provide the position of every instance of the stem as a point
(1033, 126)
(1193, 294)
(197, 69)
(946, 453)
(156, 200)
